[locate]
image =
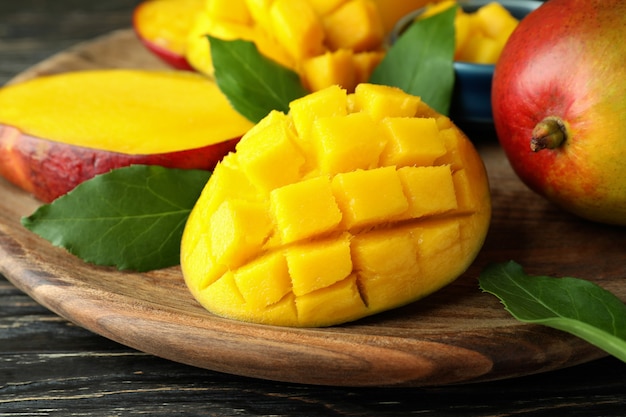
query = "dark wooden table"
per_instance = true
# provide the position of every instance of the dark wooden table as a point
(48, 366)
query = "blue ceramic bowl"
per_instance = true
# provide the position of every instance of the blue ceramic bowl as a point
(471, 98)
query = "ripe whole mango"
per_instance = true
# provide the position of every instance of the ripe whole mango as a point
(349, 205)
(559, 105)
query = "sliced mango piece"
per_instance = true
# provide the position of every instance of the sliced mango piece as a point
(347, 234)
(138, 110)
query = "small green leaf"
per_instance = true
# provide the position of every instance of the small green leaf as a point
(573, 305)
(131, 217)
(421, 62)
(253, 83)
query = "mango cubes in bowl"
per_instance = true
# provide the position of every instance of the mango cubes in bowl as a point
(482, 28)
(349, 205)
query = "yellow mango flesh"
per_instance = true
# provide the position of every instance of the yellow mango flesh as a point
(235, 11)
(355, 25)
(144, 111)
(349, 205)
(326, 42)
(481, 35)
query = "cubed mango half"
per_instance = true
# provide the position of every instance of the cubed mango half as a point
(349, 205)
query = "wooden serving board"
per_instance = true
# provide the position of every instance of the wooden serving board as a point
(457, 335)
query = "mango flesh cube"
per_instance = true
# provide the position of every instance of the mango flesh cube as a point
(369, 196)
(375, 253)
(340, 302)
(262, 293)
(437, 237)
(364, 64)
(228, 301)
(495, 20)
(479, 36)
(199, 255)
(429, 190)
(230, 183)
(356, 25)
(330, 101)
(329, 214)
(412, 141)
(379, 101)
(380, 254)
(465, 199)
(238, 230)
(319, 264)
(346, 143)
(480, 49)
(304, 209)
(452, 156)
(297, 27)
(330, 68)
(439, 242)
(269, 164)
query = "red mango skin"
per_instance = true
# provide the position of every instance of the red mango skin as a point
(48, 169)
(568, 59)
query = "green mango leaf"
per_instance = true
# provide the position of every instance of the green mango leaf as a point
(421, 61)
(132, 217)
(573, 305)
(253, 83)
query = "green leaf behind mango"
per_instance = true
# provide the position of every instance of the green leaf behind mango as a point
(253, 83)
(132, 218)
(421, 61)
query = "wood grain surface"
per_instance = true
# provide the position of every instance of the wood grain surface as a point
(456, 335)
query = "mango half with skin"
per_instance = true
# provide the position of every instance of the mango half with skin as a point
(349, 205)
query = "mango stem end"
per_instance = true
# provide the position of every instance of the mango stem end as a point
(550, 133)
